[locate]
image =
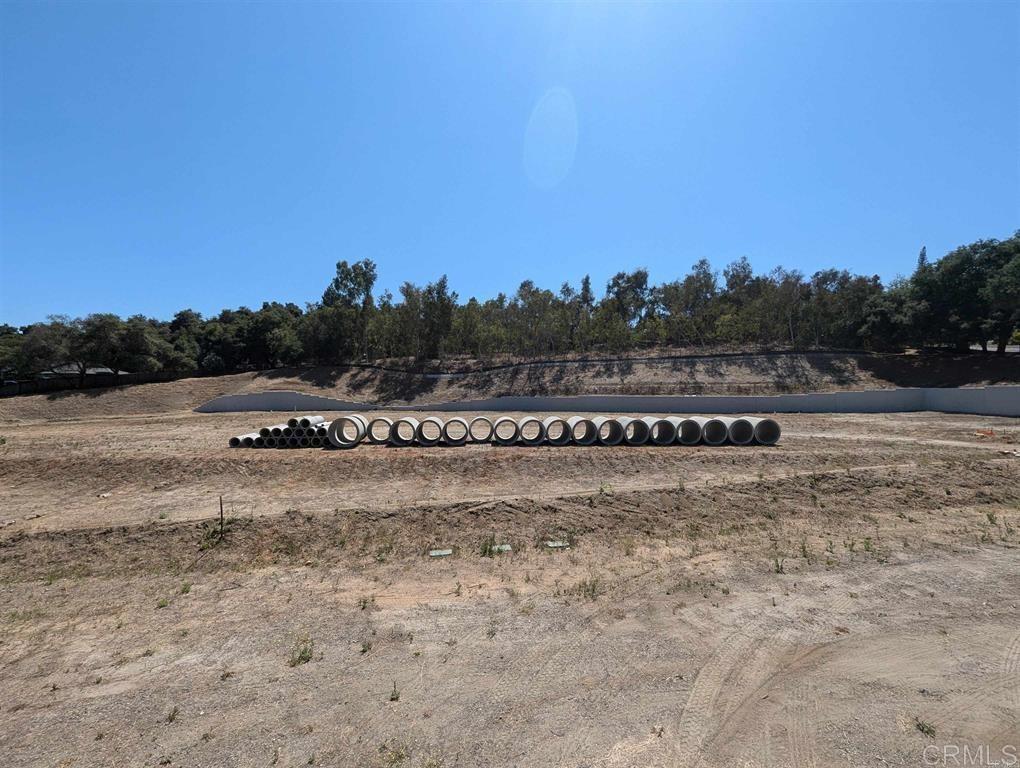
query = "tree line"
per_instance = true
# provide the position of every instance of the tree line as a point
(969, 296)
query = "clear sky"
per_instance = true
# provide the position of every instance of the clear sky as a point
(210, 155)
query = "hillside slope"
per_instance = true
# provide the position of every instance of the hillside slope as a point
(733, 374)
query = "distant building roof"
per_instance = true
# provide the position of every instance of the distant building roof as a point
(69, 369)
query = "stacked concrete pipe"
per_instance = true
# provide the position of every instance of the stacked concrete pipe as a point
(350, 430)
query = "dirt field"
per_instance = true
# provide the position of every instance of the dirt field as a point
(849, 597)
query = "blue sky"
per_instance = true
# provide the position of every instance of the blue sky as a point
(162, 156)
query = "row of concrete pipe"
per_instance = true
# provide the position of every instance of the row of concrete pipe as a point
(350, 430)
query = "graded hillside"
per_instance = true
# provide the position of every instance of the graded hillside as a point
(663, 374)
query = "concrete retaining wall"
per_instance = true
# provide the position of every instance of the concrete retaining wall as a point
(986, 401)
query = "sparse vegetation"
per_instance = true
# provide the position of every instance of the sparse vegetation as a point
(590, 588)
(301, 653)
(925, 727)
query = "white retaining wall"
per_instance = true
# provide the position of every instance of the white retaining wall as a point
(986, 401)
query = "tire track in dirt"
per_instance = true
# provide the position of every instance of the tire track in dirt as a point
(802, 715)
(1011, 664)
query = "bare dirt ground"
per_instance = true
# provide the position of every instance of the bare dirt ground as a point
(849, 597)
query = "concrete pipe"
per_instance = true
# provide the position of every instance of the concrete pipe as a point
(347, 431)
(378, 432)
(480, 430)
(557, 431)
(403, 431)
(429, 432)
(243, 440)
(531, 430)
(316, 441)
(270, 441)
(766, 431)
(304, 442)
(260, 442)
(322, 430)
(635, 431)
(716, 431)
(293, 422)
(741, 431)
(293, 442)
(456, 431)
(689, 432)
(505, 430)
(310, 421)
(608, 430)
(660, 431)
(288, 431)
(274, 431)
(582, 430)
(298, 432)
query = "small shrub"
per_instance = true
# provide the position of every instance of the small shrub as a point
(172, 715)
(925, 727)
(301, 653)
(185, 587)
(589, 588)
(162, 603)
(394, 694)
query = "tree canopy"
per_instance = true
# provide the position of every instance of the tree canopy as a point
(969, 296)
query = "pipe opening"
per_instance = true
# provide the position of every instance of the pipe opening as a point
(715, 432)
(304, 442)
(767, 432)
(379, 430)
(316, 442)
(557, 432)
(663, 433)
(234, 442)
(480, 429)
(636, 432)
(506, 430)
(690, 432)
(270, 442)
(292, 442)
(741, 432)
(403, 432)
(455, 430)
(531, 431)
(610, 432)
(430, 431)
